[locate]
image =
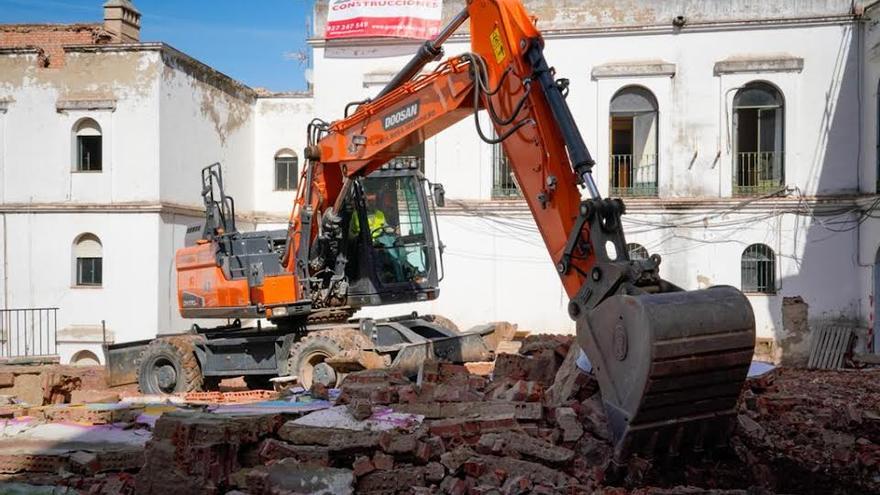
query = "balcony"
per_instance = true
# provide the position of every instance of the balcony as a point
(633, 177)
(757, 173)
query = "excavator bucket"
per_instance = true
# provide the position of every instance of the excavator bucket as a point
(670, 367)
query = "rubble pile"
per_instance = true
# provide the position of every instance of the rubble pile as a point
(529, 422)
(803, 431)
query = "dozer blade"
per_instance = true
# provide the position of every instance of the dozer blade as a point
(670, 367)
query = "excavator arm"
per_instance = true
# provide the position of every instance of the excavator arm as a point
(670, 363)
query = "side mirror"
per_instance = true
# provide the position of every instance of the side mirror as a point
(439, 195)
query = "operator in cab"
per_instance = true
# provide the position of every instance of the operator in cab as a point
(377, 203)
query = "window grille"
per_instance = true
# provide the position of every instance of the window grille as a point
(759, 269)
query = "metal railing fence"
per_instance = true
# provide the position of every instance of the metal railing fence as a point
(27, 332)
(757, 172)
(631, 177)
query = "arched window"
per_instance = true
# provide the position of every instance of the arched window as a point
(88, 146)
(759, 269)
(633, 160)
(85, 358)
(286, 170)
(88, 258)
(759, 145)
(636, 251)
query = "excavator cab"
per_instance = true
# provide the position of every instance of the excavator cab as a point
(390, 240)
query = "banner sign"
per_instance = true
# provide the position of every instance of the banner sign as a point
(419, 19)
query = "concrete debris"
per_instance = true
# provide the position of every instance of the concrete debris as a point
(289, 476)
(535, 425)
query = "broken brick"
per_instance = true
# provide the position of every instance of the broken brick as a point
(362, 465)
(383, 461)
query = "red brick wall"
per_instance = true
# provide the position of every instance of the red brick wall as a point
(51, 38)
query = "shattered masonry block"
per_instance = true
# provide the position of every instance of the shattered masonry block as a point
(88, 414)
(290, 476)
(7, 379)
(337, 439)
(511, 442)
(454, 458)
(480, 368)
(362, 465)
(454, 486)
(383, 461)
(274, 450)
(376, 377)
(399, 480)
(521, 391)
(568, 421)
(560, 344)
(197, 453)
(458, 427)
(33, 463)
(454, 392)
(396, 443)
(523, 411)
(319, 391)
(93, 397)
(537, 473)
(360, 409)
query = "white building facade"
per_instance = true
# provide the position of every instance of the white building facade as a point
(743, 137)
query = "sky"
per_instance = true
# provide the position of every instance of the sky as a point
(251, 41)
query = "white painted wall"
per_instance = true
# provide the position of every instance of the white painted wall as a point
(280, 123)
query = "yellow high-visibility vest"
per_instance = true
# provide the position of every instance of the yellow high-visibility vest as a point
(375, 220)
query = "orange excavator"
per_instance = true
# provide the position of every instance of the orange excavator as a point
(670, 363)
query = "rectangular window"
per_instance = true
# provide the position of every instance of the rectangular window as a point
(89, 271)
(286, 173)
(88, 153)
(503, 182)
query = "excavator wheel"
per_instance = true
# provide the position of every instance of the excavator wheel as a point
(169, 365)
(308, 356)
(670, 367)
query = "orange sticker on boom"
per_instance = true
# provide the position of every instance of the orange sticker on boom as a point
(497, 46)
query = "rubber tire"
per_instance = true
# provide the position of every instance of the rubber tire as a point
(180, 354)
(311, 350)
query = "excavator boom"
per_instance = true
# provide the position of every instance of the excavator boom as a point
(670, 363)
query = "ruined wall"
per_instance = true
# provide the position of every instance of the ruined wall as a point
(117, 89)
(50, 39)
(204, 117)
